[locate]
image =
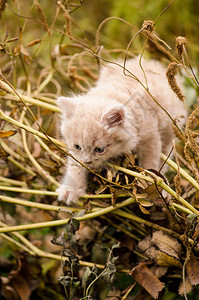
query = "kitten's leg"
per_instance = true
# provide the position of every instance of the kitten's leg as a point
(149, 152)
(74, 183)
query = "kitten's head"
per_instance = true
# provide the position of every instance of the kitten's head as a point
(96, 131)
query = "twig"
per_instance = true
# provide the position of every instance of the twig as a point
(41, 171)
(124, 214)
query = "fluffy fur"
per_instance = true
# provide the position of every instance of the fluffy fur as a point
(115, 117)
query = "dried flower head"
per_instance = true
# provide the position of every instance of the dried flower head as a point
(171, 73)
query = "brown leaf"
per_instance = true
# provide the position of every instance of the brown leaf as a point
(144, 210)
(21, 286)
(32, 43)
(188, 287)
(167, 244)
(159, 271)
(165, 260)
(145, 243)
(24, 51)
(151, 252)
(7, 134)
(152, 192)
(12, 39)
(192, 268)
(3, 153)
(145, 277)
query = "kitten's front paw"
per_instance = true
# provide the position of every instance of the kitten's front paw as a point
(68, 194)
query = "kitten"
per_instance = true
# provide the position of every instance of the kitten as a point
(115, 117)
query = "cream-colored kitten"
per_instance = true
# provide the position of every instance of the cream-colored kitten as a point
(115, 117)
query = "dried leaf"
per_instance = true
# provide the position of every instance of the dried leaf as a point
(151, 252)
(146, 246)
(167, 244)
(32, 43)
(145, 243)
(24, 51)
(7, 134)
(159, 271)
(12, 39)
(145, 203)
(152, 192)
(3, 153)
(109, 175)
(143, 210)
(145, 277)
(165, 260)
(192, 268)
(188, 287)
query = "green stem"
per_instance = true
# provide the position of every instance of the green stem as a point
(172, 164)
(27, 99)
(12, 181)
(26, 168)
(65, 221)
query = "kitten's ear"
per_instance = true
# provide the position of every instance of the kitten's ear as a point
(114, 117)
(67, 106)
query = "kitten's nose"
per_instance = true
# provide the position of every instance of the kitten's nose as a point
(88, 162)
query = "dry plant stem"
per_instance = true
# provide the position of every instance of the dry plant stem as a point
(128, 292)
(4, 117)
(19, 96)
(172, 164)
(160, 183)
(33, 250)
(46, 148)
(27, 191)
(134, 218)
(41, 171)
(50, 193)
(131, 226)
(37, 205)
(51, 207)
(10, 151)
(19, 245)
(43, 97)
(12, 181)
(20, 166)
(102, 24)
(121, 229)
(40, 253)
(88, 216)
(45, 82)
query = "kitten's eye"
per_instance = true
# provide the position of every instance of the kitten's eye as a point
(77, 147)
(99, 150)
